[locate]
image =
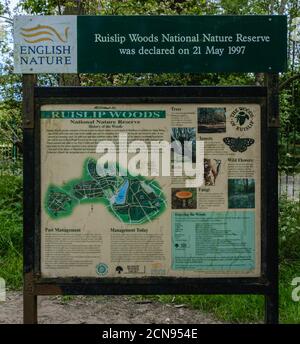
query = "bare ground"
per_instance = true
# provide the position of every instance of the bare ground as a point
(101, 310)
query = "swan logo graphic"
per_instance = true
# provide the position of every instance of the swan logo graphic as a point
(45, 44)
(43, 33)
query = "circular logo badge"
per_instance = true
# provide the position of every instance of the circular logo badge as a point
(242, 118)
(102, 269)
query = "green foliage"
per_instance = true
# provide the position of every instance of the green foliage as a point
(235, 6)
(11, 195)
(11, 167)
(10, 122)
(289, 310)
(244, 308)
(228, 308)
(46, 7)
(10, 87)
(289, 143)
(11, 230)
(289, 230)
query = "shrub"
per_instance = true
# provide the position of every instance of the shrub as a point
(11, 230)
(289, 229)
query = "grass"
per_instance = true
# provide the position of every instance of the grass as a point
(11, 230)
(289, 310)
(244, 308)
(235, 309)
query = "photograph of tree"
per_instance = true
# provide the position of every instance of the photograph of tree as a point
(241, 193)
(180, 136)
(211, 120)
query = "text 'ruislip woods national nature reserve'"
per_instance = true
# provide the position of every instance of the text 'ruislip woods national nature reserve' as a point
(130, 44)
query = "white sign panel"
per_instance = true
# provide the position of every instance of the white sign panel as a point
(45, 44)
(148, 224)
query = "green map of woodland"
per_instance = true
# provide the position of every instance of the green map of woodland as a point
(130, 199)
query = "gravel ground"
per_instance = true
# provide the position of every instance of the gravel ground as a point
(101, 310)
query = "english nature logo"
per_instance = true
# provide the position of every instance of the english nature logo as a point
(42, 33)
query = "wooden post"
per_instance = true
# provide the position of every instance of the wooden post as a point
(272, 298)
(29, 301)
(29, 297)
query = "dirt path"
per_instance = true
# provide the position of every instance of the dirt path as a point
(101, 310)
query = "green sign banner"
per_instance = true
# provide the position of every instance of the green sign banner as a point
(133, 44)
(114, 114)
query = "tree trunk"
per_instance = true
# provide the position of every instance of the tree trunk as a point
(76, 7)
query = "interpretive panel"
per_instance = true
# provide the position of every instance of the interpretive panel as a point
(128, 217)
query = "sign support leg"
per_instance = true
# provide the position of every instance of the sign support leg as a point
(29, 298)
(30, 308)
(272, 259)
(271, 308)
